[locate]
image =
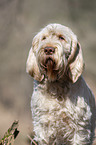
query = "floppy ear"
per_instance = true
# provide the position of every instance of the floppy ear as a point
(76, 63)
(32, 66)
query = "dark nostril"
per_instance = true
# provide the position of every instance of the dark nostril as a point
(49, 50)
(45, 50)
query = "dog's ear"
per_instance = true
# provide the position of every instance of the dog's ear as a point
(32, 66)
(76, 63)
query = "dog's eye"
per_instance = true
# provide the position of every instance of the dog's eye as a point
(44, 37)
(61, 37)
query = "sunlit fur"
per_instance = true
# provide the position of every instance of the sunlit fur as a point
(63, 107)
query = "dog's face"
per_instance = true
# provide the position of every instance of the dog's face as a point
(55, 52)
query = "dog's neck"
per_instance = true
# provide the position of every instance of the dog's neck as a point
(56, 88)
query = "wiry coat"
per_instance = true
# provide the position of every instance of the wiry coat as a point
(63, 107)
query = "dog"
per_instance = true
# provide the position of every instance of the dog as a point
(63, 106)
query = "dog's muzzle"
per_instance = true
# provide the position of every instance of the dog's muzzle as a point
(49, 62)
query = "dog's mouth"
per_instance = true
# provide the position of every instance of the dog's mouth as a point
(50, 64)
(48, 67)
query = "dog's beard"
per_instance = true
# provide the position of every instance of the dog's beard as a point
(51, 69)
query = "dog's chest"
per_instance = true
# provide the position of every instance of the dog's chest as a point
(58, 117)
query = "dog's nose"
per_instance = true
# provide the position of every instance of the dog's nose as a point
(49, 50)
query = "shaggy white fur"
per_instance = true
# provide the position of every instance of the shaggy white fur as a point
(63, 107)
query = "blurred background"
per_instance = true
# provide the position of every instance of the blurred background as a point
(20, 20)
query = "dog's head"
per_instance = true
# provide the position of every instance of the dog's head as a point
(55, 52)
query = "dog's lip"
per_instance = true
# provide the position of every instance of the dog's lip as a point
(48, 60)
(48, 64)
